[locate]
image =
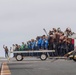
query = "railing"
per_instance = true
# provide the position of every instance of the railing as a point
(33, 51)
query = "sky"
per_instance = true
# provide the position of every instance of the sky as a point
(22, 20)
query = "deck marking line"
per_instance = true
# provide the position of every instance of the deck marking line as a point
(5, 69)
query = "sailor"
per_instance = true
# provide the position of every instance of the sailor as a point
(6, 50)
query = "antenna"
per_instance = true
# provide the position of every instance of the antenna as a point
(45, 31)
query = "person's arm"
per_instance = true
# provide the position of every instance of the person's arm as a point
(4, 46)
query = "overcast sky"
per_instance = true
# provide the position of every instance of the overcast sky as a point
(22, 20)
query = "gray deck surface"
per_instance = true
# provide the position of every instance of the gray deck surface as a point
(33, 66)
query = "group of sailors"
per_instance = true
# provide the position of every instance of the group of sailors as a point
(55, 40)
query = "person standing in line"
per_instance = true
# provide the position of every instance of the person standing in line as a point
(14, 47)
(33, 44)
(29, 45)
(38, 41)
(43, 42)
(23, 46)
(6, 50)
(46, 43)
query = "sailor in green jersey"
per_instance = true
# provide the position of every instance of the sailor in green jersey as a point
(23, 46)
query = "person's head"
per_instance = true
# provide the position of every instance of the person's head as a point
(62, 34)
(13, 45)
(50, 33)
(59, 30)
(6, 46)
(37, 38)
(54, 29)
(68, 29)
(22, 42)
(28, 42)
(43, 37)
(32, 40)
(16, 45)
